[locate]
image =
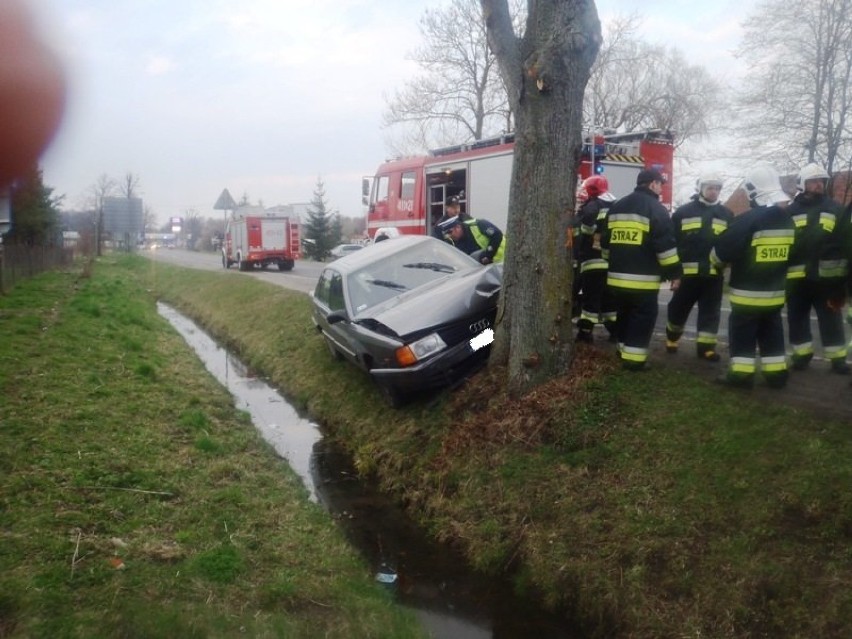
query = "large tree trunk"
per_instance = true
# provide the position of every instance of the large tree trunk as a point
(546, 72)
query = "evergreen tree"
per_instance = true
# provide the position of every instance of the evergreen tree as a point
(336, 229)
(35, 212)
(319, 234)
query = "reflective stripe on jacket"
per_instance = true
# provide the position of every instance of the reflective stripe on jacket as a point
(637, 239)
(696, 226)
(818, 253)
(488, 237)
(757, 245)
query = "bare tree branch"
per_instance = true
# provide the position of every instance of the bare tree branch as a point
(129, 185)
(459, 96)
(797, 94)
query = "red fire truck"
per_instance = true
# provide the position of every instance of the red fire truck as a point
(410, 193)
(260, 238)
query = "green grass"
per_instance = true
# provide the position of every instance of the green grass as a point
(641, 505)
(136, 501)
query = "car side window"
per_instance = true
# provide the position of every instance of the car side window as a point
(321, 291)
(335, 292)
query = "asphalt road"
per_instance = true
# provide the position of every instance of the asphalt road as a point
(302, 278)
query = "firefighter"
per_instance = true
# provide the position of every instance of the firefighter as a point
(598, 306)
(846, 235)
(816, 274)
(696, 226)
(475, 236)
(452, 208)
(572, 241)
(637, 239)
(846, 238)
(757, 247)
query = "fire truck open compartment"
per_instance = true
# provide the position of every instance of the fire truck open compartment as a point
(478, 174)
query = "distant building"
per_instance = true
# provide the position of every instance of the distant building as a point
(70, 239)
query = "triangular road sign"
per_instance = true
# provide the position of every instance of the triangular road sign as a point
(225, 202)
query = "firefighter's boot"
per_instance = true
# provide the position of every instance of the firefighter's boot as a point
(673, 335)
(585, 336)
(610, 327)
(801, 362)
(707, 353)
(585, 327)
(840, 366)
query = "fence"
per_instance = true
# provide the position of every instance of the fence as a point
(19, 262)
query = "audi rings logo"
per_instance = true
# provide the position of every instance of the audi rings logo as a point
(478, 327)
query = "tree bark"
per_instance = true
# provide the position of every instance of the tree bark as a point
(546, 71)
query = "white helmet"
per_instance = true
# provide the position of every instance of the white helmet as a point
(708, 179)
(763, 186)
(812, 171)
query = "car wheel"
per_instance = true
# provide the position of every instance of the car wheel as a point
(335, 354)
(392, 396)
(285, 265)
(225, 263)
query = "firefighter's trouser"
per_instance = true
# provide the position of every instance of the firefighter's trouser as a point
(636, 315)
(802, 295)
(598, 306)
(576, 288)
(748, 330)
(706, 291)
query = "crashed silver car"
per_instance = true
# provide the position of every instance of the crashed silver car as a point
(415, 313)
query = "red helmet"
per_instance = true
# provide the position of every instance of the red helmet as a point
(596, 185)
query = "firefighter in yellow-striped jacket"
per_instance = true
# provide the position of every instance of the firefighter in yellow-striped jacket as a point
(696, 225)
(638, 241)
(757, 248)
(597, 304)
(816, 274)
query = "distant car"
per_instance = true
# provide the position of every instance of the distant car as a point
(415, 313)
(344, 249)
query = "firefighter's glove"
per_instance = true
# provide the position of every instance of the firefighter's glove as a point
(835, 304)
(485, 259)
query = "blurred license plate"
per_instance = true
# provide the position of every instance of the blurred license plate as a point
(483, 339)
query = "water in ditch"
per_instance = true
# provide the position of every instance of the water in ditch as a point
(451, 601)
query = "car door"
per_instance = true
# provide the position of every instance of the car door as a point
(329, 298)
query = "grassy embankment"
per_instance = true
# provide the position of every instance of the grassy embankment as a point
(645, 505)
(135, 501)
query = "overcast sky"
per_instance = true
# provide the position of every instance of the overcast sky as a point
(263, 96)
